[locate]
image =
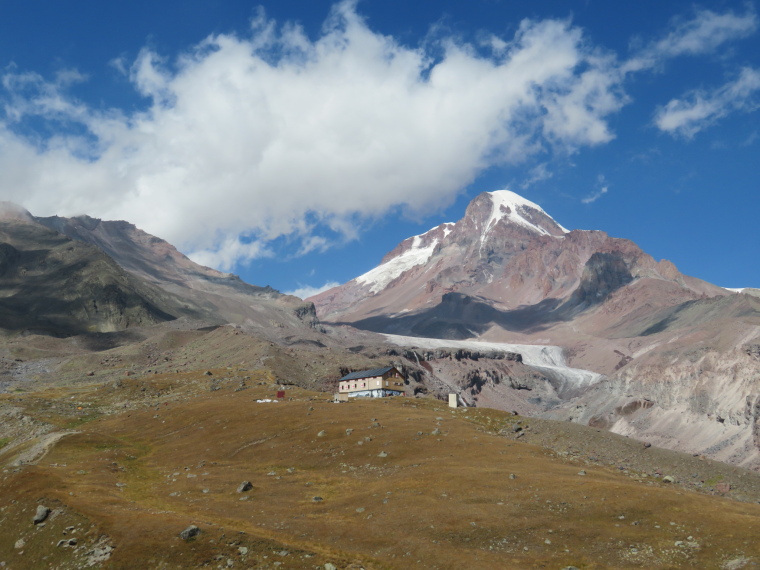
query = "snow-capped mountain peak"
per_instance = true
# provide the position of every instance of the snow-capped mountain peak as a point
(502, 208)
(513, 207)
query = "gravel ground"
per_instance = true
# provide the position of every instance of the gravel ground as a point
(590, 447)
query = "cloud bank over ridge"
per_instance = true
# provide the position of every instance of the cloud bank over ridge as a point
(275, 135)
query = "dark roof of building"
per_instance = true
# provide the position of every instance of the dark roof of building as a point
(366, 373)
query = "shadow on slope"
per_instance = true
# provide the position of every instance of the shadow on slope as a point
(460, 316)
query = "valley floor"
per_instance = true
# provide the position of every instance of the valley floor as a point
(392, 483)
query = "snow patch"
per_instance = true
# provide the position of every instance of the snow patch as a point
(546, 357)
(383, 274)
(735, 289)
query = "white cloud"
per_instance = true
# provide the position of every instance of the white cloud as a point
(701, 34)
(603, 189)
(247, 139)
(305, 291)
(537, 174)
(700, 109)
(591, 198)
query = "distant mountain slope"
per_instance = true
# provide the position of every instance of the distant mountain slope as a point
(73, 275)
(213, 295)
(51, 284)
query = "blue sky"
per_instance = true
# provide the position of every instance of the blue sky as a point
(295, 143)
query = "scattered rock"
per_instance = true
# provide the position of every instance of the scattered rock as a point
(20, 543)
(382, 454)
(322, 433)
(349, 431)
(723, 487)
(208, 373)
(330, 566)
(668, 479)
(436, 431)
(736, 563)
(100, 553)
(190, 532)
(512, 476)
(41, 514)
(582, 472)
(647, 445)
(317, 499)
(244, 486)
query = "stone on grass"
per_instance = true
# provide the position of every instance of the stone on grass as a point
(41, 514)
(190, 532)
(244, 486)
(322, 433)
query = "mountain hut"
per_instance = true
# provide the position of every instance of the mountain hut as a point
(375, 383)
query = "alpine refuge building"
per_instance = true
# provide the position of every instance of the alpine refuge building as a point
(375, 383)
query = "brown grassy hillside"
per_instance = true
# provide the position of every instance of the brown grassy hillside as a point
(402, 483)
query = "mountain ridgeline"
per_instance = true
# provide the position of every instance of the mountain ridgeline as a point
(69, 276)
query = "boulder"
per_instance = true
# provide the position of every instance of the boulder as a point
(190, 532)
(41, 514)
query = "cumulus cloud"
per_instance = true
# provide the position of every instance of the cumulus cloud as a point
(272, 135)
(306, 291)
(247, 139)
(700, 109)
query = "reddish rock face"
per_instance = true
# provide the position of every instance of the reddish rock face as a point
(509, 253)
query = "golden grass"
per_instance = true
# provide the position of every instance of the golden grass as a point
(391, 497)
